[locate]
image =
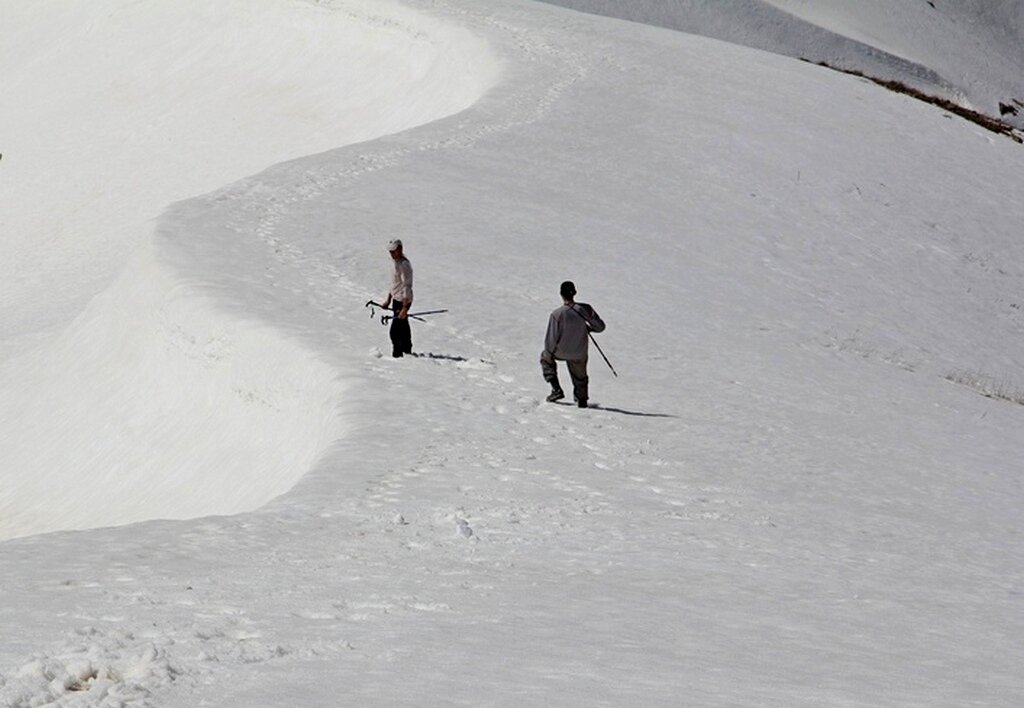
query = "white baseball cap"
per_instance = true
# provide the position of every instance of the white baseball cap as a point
(394, 244)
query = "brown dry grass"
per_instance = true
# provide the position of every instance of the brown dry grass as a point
(987, 122)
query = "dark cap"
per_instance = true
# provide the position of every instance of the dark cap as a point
(567, 289)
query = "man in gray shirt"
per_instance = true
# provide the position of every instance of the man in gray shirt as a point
(568, 340)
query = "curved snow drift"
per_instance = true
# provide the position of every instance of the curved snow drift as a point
(153, 402)
(114, 109)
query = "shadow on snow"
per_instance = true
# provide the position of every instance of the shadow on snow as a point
(442, 357)
(621, 411)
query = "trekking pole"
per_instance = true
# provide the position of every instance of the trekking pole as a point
(602, 354)
(413, 315)
(384, 319)
(426, 312)
(591, 335)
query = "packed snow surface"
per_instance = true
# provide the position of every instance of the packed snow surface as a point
(803, 489)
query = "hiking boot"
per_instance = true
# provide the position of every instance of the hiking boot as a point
(556, 394)
(581, 402)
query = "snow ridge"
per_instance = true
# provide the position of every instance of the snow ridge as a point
(967, 52)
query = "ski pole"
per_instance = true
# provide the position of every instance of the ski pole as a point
(602, 354)
(415, 315)
(387, 318)
(428, 312)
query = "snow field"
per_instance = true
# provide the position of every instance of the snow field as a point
(781, 502)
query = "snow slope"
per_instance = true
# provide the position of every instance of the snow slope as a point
(782, 501)
(969, 51)
(152, 398)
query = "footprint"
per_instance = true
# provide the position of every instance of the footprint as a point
(463, 528)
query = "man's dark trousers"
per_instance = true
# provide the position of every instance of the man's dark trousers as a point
(577, 372)
(401, 332)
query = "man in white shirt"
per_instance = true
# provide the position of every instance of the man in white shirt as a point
(568, 340)
(399, 298)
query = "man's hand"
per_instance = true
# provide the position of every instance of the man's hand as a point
(403, 313)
